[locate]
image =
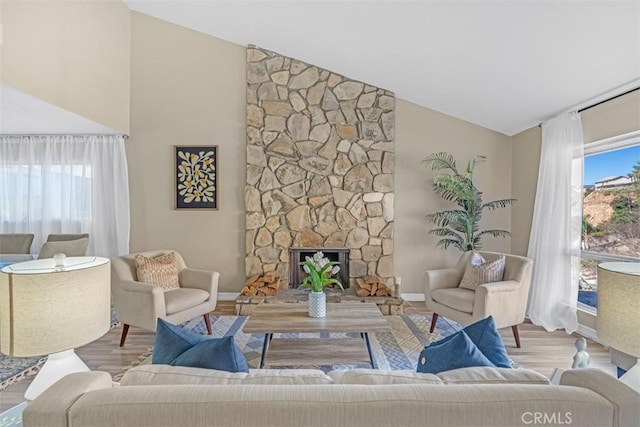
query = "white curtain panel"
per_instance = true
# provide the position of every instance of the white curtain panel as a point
(554, 244)
(66, 184)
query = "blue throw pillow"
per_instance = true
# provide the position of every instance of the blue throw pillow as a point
(176, 346)
(486, 337)
(454, 353)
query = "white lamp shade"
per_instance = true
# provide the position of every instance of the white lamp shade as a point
(618, 320)
(44, 310)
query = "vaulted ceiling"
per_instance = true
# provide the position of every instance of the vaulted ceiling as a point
(504, 65)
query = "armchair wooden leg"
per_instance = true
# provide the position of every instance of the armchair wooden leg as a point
(434, 319)
(516, 335)
(207, 321)
(123, 337)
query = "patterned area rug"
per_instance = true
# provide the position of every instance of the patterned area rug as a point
(398, 349)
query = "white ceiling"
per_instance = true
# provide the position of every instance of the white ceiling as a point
(504, 65)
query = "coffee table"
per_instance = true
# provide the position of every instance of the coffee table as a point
(283, 318)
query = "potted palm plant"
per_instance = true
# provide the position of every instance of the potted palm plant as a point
(319, 270)
(460, 227)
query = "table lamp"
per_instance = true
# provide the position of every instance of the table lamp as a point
(618, 319)
(50, 307)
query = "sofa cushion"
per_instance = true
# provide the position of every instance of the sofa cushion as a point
(457, 298)
(179, 347)
(287, 377)
(175, 375)
(489, 375)
(480, 271)
(458, 351)
(180, 299)
(381, 377)
(160, 271)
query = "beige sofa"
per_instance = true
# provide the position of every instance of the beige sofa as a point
(160, 395)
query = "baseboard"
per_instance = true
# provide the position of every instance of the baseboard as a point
(228, 296)
(412, 297)
(587, 332)
(231, 296)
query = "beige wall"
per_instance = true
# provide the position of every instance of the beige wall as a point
(525, 148)
(72, 54)
(420, 132)
(616, 117)
(187, 89)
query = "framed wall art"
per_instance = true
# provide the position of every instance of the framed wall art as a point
(196, 176)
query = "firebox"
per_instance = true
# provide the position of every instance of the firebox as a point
(296, 255)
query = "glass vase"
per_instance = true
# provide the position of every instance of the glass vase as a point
(317, 304)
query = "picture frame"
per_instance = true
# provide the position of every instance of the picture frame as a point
(196, 177)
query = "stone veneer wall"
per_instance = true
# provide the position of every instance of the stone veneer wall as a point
(320, 160)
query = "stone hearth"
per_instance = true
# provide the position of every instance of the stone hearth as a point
(320, 166)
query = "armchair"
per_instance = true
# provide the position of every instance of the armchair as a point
(141, 304)
(506, 301)
(15, 243)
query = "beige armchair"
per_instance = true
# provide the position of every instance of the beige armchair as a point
(141, 304)
(77, 247)
(66, 237)
(15, 243)
(506, 301)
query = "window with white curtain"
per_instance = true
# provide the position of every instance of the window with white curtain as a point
(611, 209)
(66, 184)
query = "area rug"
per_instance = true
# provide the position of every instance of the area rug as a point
(398, 349)
(14, 369)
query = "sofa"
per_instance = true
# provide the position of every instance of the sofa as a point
(162, 395)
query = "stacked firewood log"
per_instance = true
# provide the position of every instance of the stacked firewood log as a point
(262, 285)
(370, 286)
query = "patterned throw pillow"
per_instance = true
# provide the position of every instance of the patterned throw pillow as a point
(160, 271)
(467, 279)
(480, 271)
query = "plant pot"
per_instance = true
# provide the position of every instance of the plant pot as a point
(317, 304)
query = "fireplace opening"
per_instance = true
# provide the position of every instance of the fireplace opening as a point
(297, 274)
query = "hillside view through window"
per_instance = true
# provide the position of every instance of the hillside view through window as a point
(610, 216)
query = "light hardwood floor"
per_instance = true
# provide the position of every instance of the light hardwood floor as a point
(541, 351)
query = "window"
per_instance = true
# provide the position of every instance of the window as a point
(55, 193)
(610, 209)
(66, 184)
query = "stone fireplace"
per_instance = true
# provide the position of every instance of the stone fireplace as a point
(320, 165)
(297, 255)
